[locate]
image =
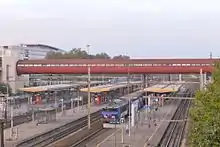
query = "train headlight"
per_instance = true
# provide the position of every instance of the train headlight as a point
(105, 116)
(113, 116)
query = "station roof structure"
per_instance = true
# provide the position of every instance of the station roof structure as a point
(163, 89)
(103, 88)
(108, 87)
(160, 90)
(133, 95)
(47, 88)
(56, 87)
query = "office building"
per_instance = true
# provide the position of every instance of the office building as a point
(11, 54)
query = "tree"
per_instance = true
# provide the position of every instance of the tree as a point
(79, 53)
(54, 55)
(205, 115)
(121, 57)
(102, 56)
(3, 88)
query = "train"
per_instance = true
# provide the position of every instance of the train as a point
(116, 112)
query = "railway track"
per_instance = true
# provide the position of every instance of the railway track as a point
(54, 135)
(173, 134)
(90, 137)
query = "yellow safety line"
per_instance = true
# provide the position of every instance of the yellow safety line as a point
(98, 145)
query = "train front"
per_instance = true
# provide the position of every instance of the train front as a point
(111, 115)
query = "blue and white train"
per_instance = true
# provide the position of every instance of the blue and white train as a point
(114, 112)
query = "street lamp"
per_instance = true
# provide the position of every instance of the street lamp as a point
(89, 97)
(129, 118)
(12, 115)
(115, 132)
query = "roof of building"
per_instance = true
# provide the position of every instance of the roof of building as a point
(36, 45)
(43, 45)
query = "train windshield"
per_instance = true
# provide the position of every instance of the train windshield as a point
(109, 109)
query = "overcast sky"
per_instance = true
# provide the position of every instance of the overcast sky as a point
(138, 28)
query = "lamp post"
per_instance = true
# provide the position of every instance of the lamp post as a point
(129, 118)
(12, 121)
(78, 99)
(89, 97)
(115, 132)
(62, 106)
(55, 101)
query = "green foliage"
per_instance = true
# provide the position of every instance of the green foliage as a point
(3, 88)
(78, 53)
(121, 57)
(205, 115)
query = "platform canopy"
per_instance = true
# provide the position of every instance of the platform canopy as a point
(104, 88)
(164, 89)
(48, 88)
(160, 90)
(132, 82)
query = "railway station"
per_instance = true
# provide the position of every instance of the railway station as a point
(46, 117)
(54, 106)
(123, 74)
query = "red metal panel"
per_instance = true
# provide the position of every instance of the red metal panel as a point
(114, 70)
(113, 61)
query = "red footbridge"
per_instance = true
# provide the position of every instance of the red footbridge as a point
(110, 66)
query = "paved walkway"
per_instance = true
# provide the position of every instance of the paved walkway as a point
(27, 130)
(143, 131)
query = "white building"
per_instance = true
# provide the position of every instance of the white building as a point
(11, 54)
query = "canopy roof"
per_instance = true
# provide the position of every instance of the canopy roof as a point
(48, 88)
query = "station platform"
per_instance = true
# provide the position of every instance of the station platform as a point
(27, 130)
(144, 130)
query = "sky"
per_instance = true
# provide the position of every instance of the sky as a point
(138, 28)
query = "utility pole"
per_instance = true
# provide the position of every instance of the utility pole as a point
(7, 104)
(12, 121)
(129, 118)
(89, 97)
(78, 98)
(210, 55)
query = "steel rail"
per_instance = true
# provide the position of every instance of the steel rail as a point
(174, 132)
(90, 137)
(58, 133)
